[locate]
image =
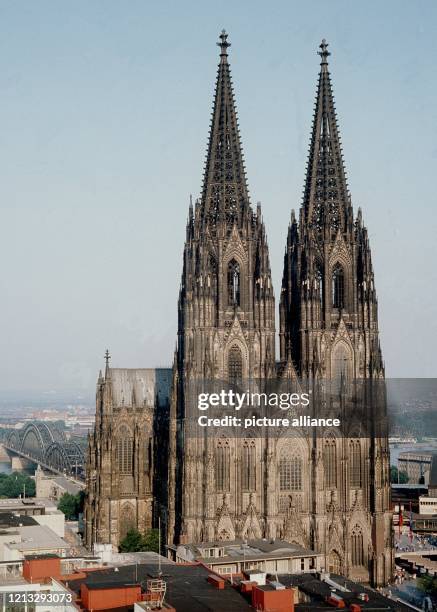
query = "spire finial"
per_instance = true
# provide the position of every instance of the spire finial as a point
(107, 358)
(324, 53)
(223, 44)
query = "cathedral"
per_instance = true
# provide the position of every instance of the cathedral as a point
(327, 492)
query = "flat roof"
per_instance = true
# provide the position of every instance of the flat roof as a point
(41, 556)
(9, 519)
(38, 537)
(417, 453)
(250, 550)
(187, 586)
(318, 590)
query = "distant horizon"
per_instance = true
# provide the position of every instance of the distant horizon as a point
(70, 395)
(105, 115)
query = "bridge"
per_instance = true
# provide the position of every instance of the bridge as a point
(46, 445)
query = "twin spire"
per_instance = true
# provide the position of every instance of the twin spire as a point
(225, 192)
(326, 200)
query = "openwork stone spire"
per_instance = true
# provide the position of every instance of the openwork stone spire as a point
(225, 192)
(326, 199)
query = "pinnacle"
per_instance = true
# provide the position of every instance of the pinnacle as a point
(326, 195)
(224, 192)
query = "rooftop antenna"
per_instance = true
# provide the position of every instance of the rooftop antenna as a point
(159, 546)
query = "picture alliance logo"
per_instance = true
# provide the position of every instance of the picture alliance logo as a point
(237, 401)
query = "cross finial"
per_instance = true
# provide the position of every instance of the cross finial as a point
(107, 357)
(223, 44)
(324, 53)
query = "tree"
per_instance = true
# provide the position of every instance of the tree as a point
(428, 584)
(16, 484)
(70, 505)
(151, 540)
(134, 541)
(397, 477)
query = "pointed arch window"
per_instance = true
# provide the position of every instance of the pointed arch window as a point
(234, 278)
(355, 464)
(248, 466)
(357, 548)
(320, 285)
(124, 451)
(330, 463)
(235, 366)
(341, 365)
(334, 562)
(290, 472)
(222, 466)
(338, 287)
(148, 461)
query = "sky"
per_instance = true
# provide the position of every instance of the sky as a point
(104, 117)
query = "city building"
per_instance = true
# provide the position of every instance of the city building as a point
(327, 493)
(324, 591)
(53, 487)
(418, 502)
(416, 466)
(428, 503)
(21, 590)
(28, 538)
(243, 556)
(186, 587)
(161, 584)
(43, 511)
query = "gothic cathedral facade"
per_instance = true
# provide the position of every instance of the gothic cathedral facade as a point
(324, 492)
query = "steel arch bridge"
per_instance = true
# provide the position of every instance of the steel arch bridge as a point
(47, 445)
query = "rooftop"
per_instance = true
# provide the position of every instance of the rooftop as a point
(187, 586)
(38, 537)
(26, 503)
(140, 386)
(129, 558)
(41, 556)
(424, 455)
(9, 519)
(318, 590)
(242, 549)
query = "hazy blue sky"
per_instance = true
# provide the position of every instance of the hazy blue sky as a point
(104, 118)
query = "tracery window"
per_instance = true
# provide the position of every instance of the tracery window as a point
(124, 450)
(234, 283)
(355, 464)
(235, 365)
(357, 548)
(290, 472)
(341, 362)
(338, 287)
(222, 466)
(147, 455)
(248, 466)
(330, 463)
